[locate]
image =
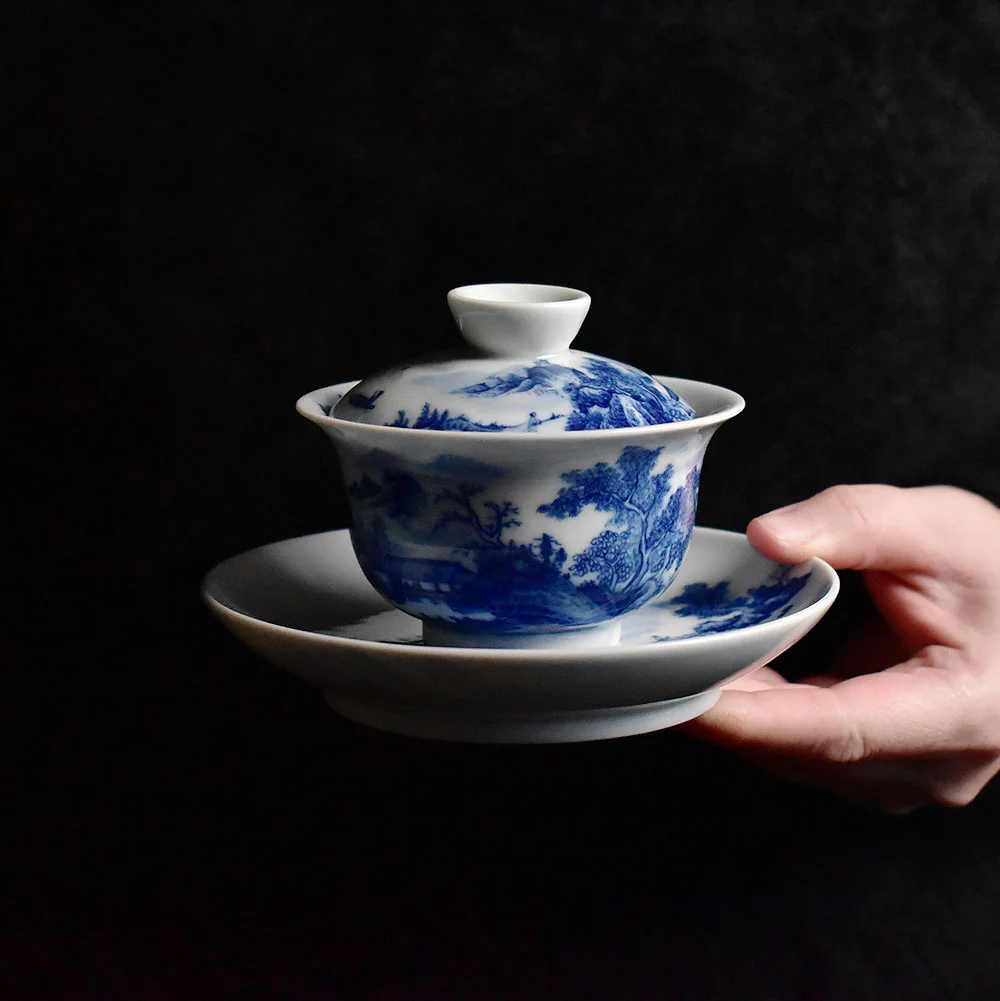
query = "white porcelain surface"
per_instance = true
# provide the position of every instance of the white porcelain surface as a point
(544, 397)
(515, 374)
(518, 493)
(519, 320)
(516, 536)
(306, 606)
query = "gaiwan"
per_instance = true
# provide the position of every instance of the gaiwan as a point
(520, 493)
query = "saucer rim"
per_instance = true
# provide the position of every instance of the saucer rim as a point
(812, 612)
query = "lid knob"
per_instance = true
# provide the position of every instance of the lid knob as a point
(518, 321)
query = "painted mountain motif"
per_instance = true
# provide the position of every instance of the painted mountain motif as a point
(591, 394)
(603, 394)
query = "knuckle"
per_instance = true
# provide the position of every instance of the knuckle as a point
(864, 507)
(975, 770)
(843, 495)
(955, 797)
(848, 747)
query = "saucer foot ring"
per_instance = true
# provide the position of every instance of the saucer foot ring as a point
(522, 728)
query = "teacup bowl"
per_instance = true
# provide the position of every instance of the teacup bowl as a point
(521, 540)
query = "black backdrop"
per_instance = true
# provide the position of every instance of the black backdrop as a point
(216, 207)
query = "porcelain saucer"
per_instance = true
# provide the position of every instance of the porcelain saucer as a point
(305, 605)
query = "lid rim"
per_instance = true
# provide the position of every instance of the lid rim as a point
(465, 293)
(731, 404)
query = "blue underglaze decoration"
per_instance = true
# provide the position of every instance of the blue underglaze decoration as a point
(599, 393)
(603, 394)
(647, 533)
(447, 548)
(719, 610)
(363, 402)
(441, 420)
(462, 467)
(328, 408)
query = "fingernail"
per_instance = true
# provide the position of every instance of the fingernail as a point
(790, 524)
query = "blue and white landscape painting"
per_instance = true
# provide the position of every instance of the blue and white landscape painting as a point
(453, 548)
(443, 420)
(718, 609)
(591, 394)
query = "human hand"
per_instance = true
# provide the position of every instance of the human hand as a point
(910, 714)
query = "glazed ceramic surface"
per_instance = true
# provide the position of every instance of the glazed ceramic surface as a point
(306, 605)
(513, 539)
(571, 391)
(522, 494)
(520, 375)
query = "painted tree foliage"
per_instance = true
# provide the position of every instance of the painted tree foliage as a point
(604, 394)
(612, 396)
(454, 547)
(452, 550)
(719, 609)
(647, 533)
(488, 523)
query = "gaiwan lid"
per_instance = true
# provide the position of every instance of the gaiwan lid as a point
(517, 374)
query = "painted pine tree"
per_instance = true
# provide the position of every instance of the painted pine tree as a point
(650, 522)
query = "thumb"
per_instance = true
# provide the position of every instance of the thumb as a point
(873, 526)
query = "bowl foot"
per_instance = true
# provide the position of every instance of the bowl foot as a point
(606, 634)
(483, 726)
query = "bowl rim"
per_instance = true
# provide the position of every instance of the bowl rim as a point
(731, 404)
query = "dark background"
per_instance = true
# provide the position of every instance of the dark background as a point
(216, 207)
